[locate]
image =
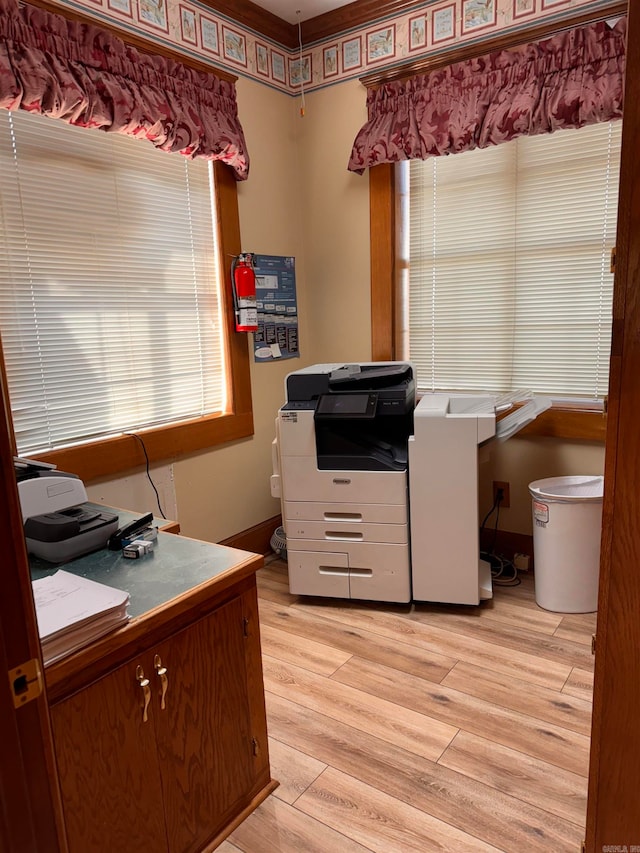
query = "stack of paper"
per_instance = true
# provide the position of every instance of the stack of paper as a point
(73, 611)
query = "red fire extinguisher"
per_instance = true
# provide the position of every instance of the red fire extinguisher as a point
(243, 282)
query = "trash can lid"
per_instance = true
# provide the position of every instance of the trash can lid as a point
(588, 488)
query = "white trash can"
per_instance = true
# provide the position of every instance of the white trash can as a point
(567, 522)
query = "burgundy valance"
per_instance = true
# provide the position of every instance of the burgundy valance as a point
(86, 76)
(573, 79)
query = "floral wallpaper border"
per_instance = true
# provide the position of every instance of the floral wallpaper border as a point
(198, 31)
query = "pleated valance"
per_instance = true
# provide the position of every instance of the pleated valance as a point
(573, 79)
(86, 76)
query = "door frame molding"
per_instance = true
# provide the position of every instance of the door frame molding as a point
(31, 819)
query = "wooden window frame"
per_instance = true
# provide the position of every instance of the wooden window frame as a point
(113, 455)
(571, 421)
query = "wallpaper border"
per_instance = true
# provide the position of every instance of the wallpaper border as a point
(434, 27)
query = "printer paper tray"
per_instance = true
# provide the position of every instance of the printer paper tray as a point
(367, 571)
(304, 482)
(347, 531)
(368, 513)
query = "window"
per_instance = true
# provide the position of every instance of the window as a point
(111, 313)
(509, 283)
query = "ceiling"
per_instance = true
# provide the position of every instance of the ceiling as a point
(293, 11)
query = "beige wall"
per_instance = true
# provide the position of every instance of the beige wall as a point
(227, 490)
(335, 225)
(520, 461)
(301, 200)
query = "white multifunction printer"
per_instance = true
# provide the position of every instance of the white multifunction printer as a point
(379, 496)
(340, 460)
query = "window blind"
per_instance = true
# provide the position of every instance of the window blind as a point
(109, 308)
(509, 248)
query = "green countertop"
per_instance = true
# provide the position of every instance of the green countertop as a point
(175, 566)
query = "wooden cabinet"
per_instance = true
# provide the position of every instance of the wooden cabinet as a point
(170, 778)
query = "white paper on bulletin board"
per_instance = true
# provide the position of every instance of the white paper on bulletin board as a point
(277, 335)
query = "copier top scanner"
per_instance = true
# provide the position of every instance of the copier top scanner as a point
(363, 413)
(392, 384)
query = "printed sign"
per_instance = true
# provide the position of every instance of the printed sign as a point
(277, 335)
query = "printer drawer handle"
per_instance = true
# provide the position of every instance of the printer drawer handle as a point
(343, 516)
(343, 536)
(336, 570)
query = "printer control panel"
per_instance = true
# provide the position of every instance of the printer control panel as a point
(347, 406)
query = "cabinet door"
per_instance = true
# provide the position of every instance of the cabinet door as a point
(108, 767)
(204, 737)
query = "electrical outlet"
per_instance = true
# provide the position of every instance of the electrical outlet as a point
(505, 503)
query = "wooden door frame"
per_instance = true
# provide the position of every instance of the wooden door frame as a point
(30, 809)
(613, 810)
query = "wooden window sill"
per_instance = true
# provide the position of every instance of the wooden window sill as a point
(572, 423)
(124, 452)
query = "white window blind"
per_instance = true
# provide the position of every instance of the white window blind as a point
(109, 309)
(509, 283)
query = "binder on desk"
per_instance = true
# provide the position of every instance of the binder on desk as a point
(73, 611)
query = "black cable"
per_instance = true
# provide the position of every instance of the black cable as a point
(498, 564)
(495, 528)
(484, 520)
(144, 450)
(485, 554)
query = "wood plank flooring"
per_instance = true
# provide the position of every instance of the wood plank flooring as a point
(422, 728)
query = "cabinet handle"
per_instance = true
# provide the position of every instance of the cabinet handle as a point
(164, 680)
(146, 692)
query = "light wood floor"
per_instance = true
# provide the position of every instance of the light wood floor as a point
(422, 728)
